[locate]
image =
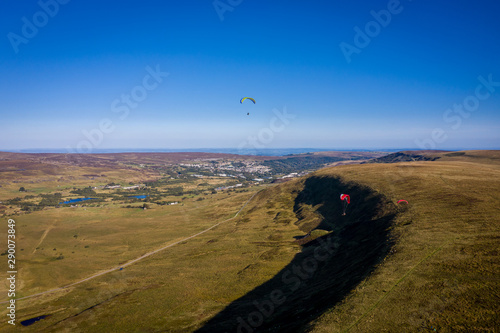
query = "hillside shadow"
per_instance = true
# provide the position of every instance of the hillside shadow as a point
(326, 270)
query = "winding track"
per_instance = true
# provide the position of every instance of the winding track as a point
(42, 238)
(141, 257)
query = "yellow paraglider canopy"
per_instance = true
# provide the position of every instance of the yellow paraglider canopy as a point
(250, 98)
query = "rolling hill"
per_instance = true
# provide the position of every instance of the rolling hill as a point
(289, 262)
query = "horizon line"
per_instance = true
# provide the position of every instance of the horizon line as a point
(235, 150)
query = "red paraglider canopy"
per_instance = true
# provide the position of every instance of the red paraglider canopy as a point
(400, 201)
(345, 197)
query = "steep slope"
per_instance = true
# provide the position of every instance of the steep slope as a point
(326, 269)
(442, 271)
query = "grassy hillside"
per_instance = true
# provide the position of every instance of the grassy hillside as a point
(443, 270)
(326, 268)
(289, 261)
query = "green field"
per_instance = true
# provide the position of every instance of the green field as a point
(432, 264)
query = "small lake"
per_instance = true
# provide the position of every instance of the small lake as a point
(139, 196)
(76, 200)
(33, 320)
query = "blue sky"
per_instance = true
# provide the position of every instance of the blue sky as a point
(63, 85)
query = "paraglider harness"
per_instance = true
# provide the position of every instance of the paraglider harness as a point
(346, 200)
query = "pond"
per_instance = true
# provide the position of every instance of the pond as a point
(76, 200)
(139, 196)
(33, 320)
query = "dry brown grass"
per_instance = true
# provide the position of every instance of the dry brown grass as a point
(442, 272)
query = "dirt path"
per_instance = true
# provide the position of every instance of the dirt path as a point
(41, 239)
(137, 259)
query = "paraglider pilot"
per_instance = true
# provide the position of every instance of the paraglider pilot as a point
(346, 199)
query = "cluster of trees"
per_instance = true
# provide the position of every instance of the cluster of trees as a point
(14, 201)
(86, 191)
(176, 191)
(152, 193)
(163, 203)
(55, 199)
(297, 164)
(27, 206)
(47, 200)
(143, 206)
(89, 192)
(50, 199)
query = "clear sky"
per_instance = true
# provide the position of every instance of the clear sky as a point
(325, 74)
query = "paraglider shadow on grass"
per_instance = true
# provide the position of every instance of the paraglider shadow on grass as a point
(326, 269)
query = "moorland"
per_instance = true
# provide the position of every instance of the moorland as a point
(239, 243)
